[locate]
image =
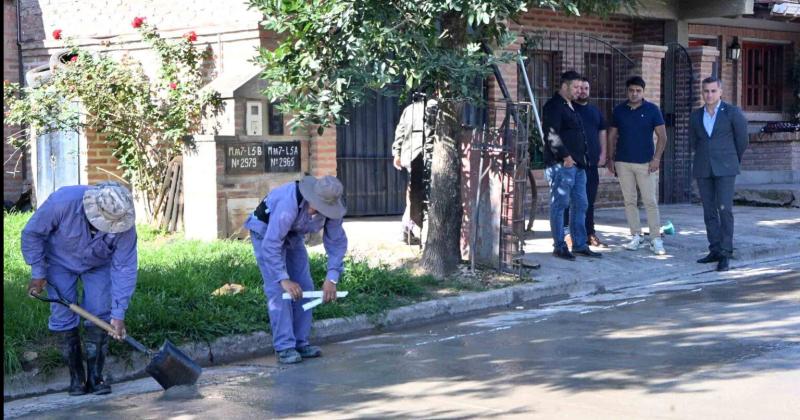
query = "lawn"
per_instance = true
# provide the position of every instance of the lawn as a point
(174, 298)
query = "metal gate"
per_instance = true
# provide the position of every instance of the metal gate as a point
(57, 162)
(373, 187)
(550, 53)
(675, 184)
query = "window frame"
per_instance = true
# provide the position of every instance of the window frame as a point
(762, 88)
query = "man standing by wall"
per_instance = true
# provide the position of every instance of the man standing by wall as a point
(718, 132)
(594, 127)
(413, 130)
(565, 158)
(635, 161)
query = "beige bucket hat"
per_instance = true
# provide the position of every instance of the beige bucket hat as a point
(109, 207)
(324, 195)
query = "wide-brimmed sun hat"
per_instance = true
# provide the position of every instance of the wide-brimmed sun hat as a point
(109, 207)
(324, 195)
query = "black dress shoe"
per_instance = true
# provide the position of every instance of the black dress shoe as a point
(588, 253)
(564, 254)
(711, 257)
(723, 264)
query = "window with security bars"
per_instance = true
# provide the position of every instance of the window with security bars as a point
(762, 77)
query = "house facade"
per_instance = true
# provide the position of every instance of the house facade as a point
(672, 44)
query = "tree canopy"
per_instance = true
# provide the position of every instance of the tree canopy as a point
(333, 52)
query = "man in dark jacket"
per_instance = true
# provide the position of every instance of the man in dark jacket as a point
(718, 132)
(566, 161)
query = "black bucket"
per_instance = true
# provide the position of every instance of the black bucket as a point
(170, 367)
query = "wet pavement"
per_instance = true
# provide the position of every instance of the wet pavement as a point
(705, 346)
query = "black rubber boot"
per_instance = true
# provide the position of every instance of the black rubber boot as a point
(96, 350)
(70, 345)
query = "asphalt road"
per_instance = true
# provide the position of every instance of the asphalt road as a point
(710, 346)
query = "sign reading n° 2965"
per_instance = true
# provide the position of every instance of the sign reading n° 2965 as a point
(283, 156)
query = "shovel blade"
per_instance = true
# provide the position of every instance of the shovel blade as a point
(170, 367)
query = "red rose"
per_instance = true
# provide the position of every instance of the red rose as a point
(173, 85)
(74, 58)
(57, 34)
(191, 36)
(137, 22)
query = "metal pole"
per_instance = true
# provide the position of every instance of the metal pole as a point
(533, 99)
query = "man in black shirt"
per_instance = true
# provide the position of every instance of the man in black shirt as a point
(566, 161)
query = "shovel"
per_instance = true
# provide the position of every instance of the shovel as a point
(169, 367)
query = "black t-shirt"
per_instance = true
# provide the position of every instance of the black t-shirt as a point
(593, 123)
(569, 139)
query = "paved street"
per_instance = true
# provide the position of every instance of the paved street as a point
(707, 346)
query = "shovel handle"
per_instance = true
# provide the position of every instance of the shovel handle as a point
(107, 327)
(95, 320)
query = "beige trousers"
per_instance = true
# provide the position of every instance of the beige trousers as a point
(630, 176)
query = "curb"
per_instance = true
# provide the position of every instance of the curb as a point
(238, 347)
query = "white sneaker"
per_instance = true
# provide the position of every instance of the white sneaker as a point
(634, 244)
(657, 245)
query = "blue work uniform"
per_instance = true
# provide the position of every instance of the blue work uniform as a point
(281, 254)
(59, 246)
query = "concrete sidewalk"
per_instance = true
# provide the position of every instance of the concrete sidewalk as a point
(759, 232)
(762, 233)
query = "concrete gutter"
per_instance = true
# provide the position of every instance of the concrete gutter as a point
(763, 234)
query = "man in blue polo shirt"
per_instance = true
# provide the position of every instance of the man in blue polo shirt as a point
(636, 161)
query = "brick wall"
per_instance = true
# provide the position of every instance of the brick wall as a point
(769, 153)
(16, 167)
(99, 162)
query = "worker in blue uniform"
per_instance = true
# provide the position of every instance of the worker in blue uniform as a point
(277, 228)
(87, 232)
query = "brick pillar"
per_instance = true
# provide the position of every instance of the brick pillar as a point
(323, 152)
(703, 60)
(647, 59)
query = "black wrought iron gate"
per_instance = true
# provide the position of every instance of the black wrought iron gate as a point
(678, 98)
(549, 53)
(373, 187)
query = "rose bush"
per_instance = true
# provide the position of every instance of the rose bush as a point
(146, 121)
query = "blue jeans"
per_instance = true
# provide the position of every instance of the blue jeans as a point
(568, 190)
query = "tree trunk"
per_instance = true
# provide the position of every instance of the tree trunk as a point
(442, 252)
(442, 248)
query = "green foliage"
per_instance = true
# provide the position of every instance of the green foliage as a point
(146, 121)
(333, 52)
(173, 297)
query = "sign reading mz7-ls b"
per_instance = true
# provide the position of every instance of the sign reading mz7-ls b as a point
(283, 156)
(245, 158)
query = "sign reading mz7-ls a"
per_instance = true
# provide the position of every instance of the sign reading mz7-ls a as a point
(245, 158)
(283, 156)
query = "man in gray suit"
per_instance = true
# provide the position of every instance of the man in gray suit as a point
(718, 132)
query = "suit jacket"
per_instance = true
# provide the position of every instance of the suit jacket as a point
(408, 134)
(721, 153)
